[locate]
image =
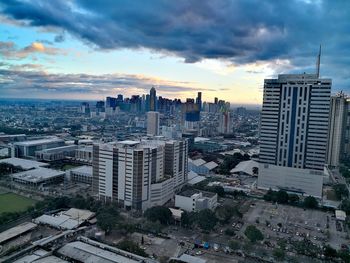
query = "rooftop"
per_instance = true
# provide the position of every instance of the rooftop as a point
(191, 259)
(191, 192)
(197, 162)
(37, 175)
(38, 142)
(16, 231)
(69, 219)
(211, 165)
(23, 163)
(92, 251)
(58, 149)
(85, 169)
(194, 178)
(245, 166)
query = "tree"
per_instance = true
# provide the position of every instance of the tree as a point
(344, 255)
(152, 227)
(270, 196)
(282, 197)
(206, 219)
(310, 202)
(106, 221)
(345, 205)
(107, 217)
(253, 234)
(293, 199)
(279, 254)
(341, 191)
(229, 232)
(216, 189)
(159, 213)
(187, 219)
(234, 245)
(131, 247)
(230, 161)
(79, 202)
(329, 252)
(255, 170)
(225, 213)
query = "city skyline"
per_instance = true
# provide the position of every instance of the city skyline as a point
(59, 50)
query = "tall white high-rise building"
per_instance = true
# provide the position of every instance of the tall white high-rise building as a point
(337, 125)
(294, 133)
(152, 123)
(139, 174)
(225, 126)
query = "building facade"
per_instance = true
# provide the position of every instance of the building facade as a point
(153, 99)
(28, 148)
(193, 201)
(152, 123)
(337, 129)
(294, 129)
(139, 174)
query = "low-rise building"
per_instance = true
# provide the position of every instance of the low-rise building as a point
(87, 250)
(84, 154)
(28, 148)
(24, 164)
(200, 166)
(249, 167)
(194, 200)
(299, 181)
(16, 236)
(56, 154)
(38, 177)
(81, 174)
(65, 220)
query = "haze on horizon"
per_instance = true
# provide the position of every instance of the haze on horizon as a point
(82, 49)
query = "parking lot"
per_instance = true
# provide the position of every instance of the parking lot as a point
(284, 221)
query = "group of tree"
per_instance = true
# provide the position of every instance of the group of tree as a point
(6, 168)
(308, 248)
(253, 234)
(159, 213)
(226, 212)
(282, 197)
(204, 219)
(341, 191)
(132, 247)
(230, 162)
(108, 217)
(344, 168)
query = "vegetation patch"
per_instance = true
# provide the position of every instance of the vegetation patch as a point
(11, 202)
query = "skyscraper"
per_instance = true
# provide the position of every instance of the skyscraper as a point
(152, 123)
(294, 133)
(337, 132)
(153, 99)
(139, 174)
(199, 101)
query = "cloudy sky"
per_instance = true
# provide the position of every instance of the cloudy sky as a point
(84, 49)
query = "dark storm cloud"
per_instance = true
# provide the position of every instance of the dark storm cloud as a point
(239, 31)
(26, 78)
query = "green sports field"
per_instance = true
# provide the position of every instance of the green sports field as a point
(11, 202)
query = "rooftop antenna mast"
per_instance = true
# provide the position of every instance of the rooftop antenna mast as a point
(318, 63)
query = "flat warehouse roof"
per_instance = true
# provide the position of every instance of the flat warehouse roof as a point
(23, 163)
(37, 175)
(88, 253)
(15, 231)
(38, 142)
